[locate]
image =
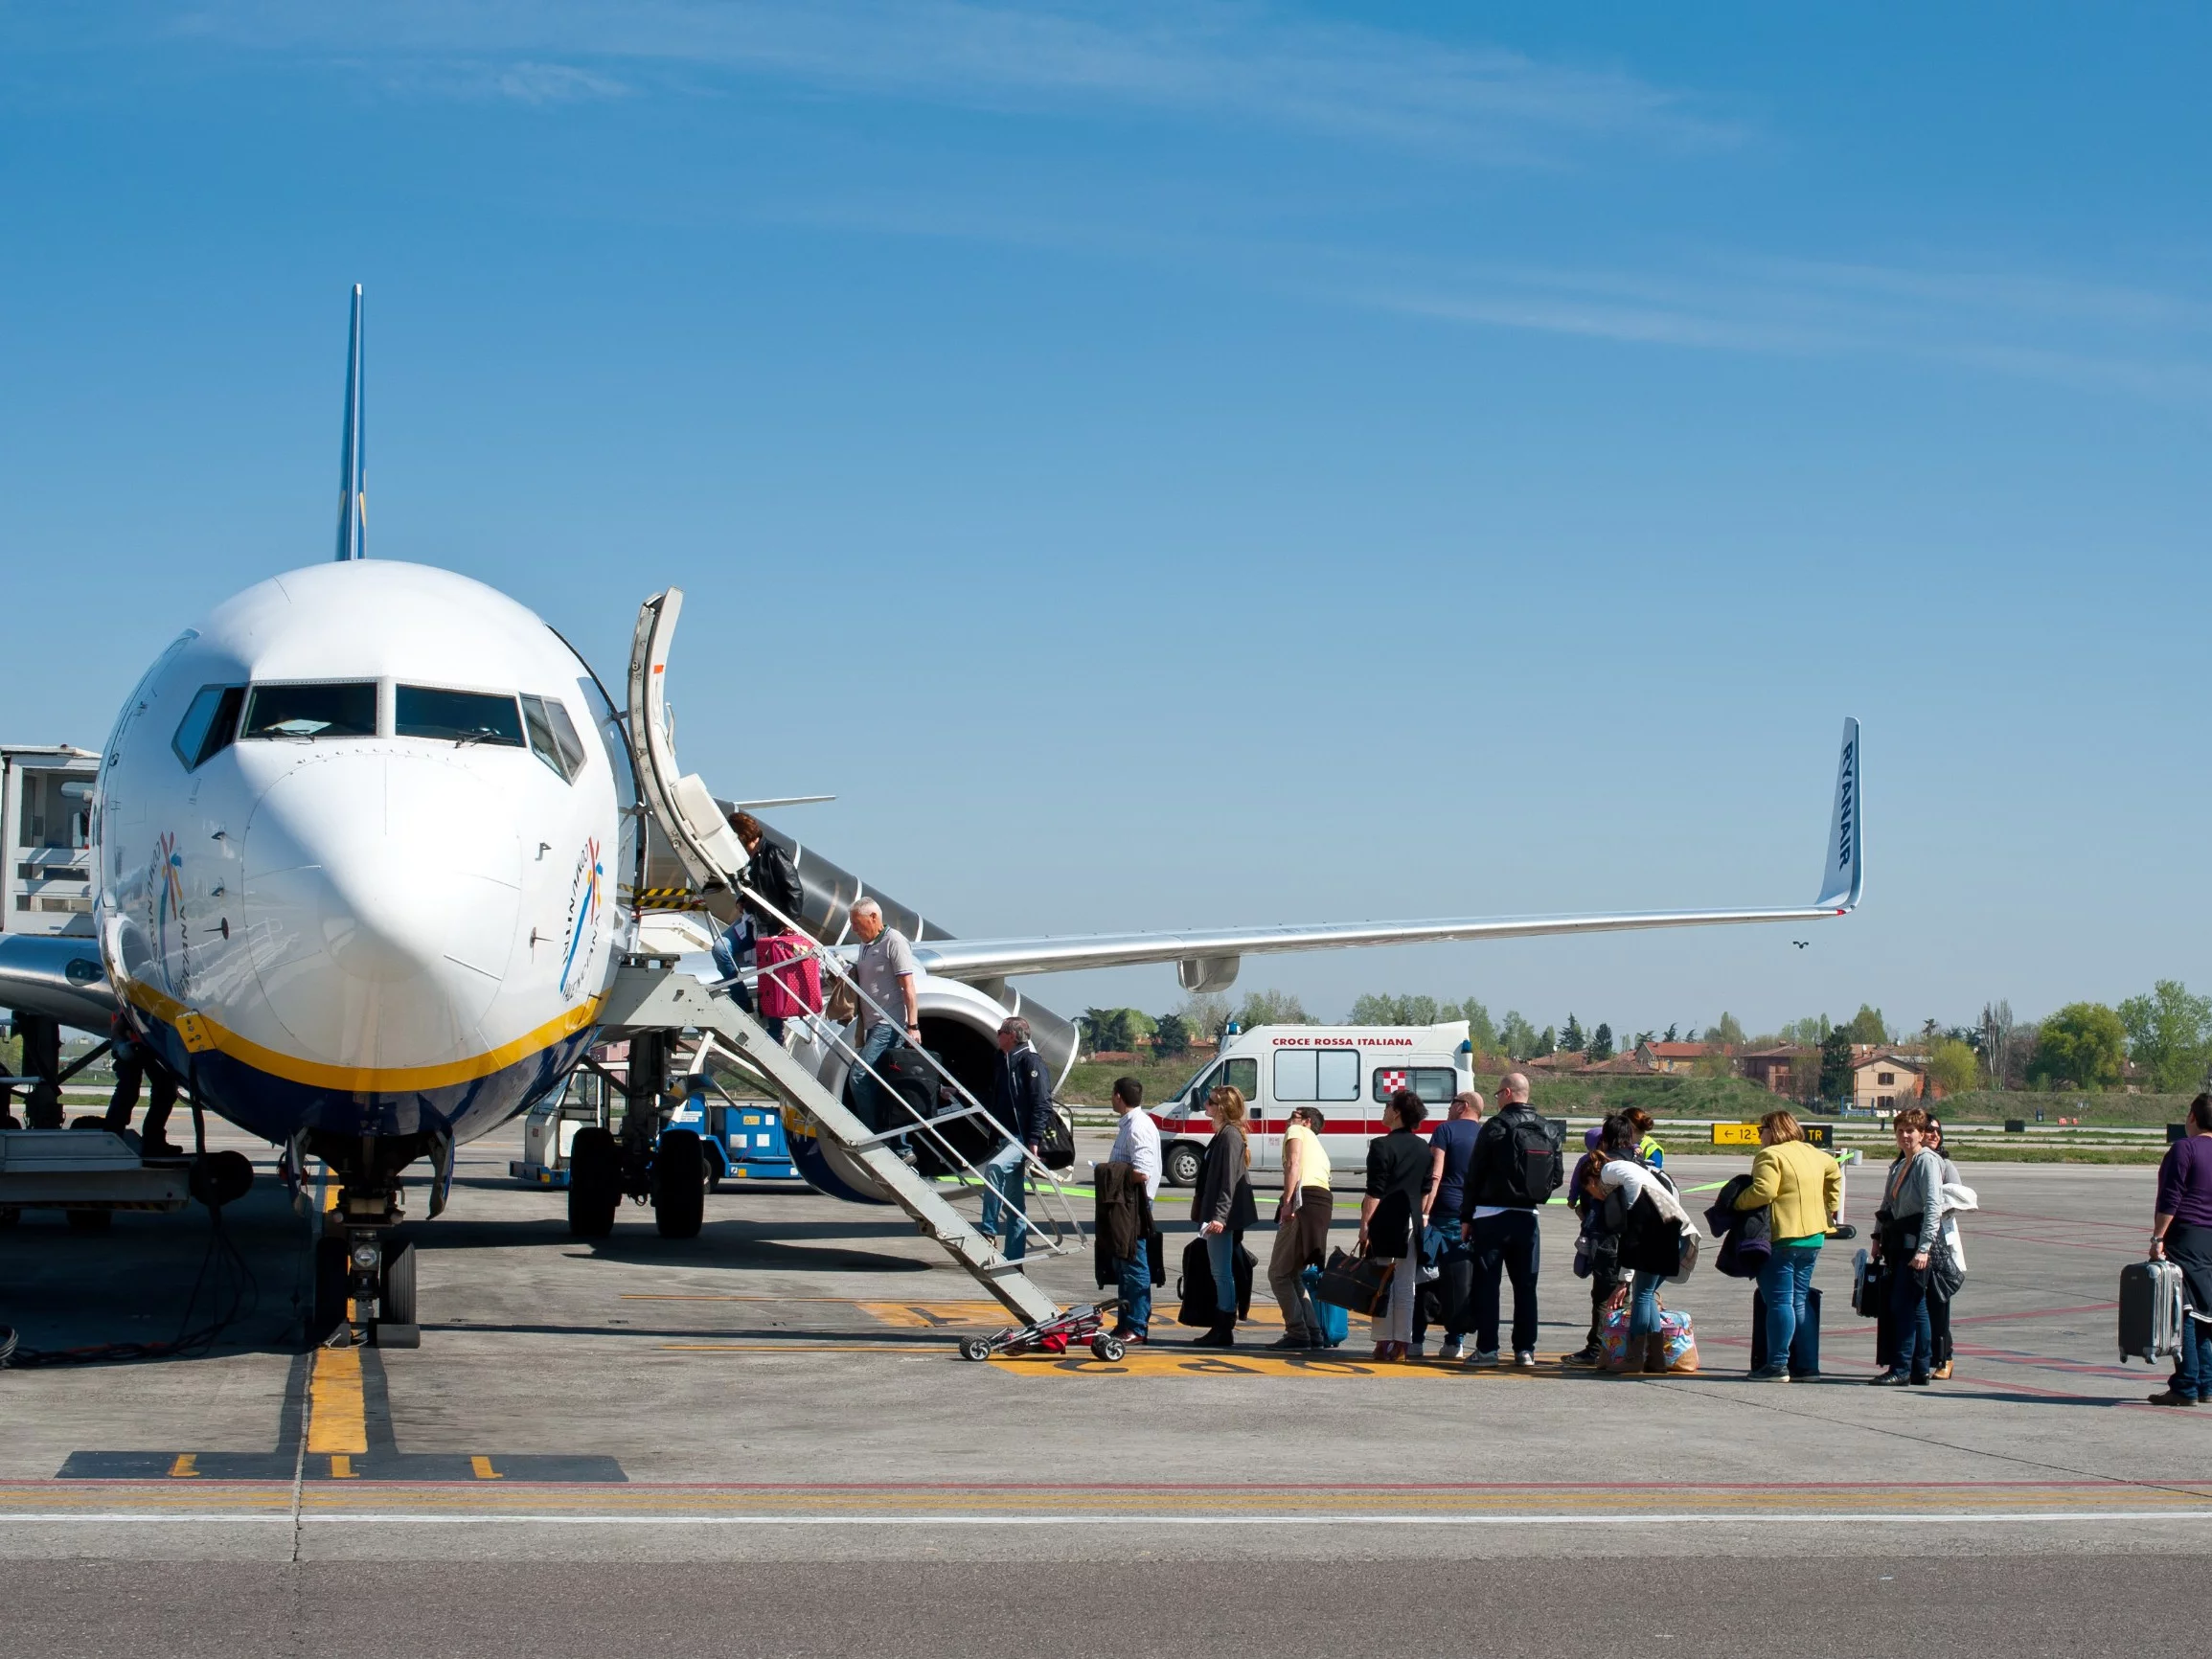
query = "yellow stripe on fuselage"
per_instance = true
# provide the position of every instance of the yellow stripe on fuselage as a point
(365, 1080)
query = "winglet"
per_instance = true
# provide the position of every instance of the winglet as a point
(1843, 875)
(353, 453)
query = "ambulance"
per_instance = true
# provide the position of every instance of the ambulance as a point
(1347, 1072)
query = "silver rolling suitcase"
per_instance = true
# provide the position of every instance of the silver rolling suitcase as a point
(2150, 1311)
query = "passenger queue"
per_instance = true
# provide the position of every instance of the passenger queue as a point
(1448, 1222)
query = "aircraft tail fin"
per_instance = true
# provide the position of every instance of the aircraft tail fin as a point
(1843, 875)
(354, 461)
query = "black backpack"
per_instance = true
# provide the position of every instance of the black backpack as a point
(1537, 1166)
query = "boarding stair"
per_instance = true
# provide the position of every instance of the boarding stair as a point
(649, 992)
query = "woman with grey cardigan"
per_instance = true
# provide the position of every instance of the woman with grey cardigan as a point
(1908, 1230)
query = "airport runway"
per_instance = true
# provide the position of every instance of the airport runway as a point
(783, 1391)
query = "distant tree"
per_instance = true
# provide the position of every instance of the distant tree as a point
(1601, 1043)
(1548, 1042)
(1674, 1035)
(1274, 1008)
(1108, 1030)
(1954, 1067)
(1171, 1038)
(1571, 1040)
(1480, 1031)
(2082, 1046)
(1206, 1014)
(1809, 1033)
(1867, 1025)
(1836, 1066)
(2169, 1036)
(1375, 1009)
(1642, 1037)
(1728, 1034)
(1517, 1039)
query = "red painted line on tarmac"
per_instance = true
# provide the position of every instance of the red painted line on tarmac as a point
(1305, 1486)
(1980, 1233)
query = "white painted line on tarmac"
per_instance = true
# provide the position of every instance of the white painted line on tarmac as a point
(1763, 1516)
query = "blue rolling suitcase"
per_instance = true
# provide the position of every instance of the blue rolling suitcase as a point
(1804, 1347)
(1336, 1322)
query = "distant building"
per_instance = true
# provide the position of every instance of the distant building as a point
(1788, 1071)
(1675, 1058)
(1883, 1081)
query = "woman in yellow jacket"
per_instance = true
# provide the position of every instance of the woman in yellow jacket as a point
(1801, 1189)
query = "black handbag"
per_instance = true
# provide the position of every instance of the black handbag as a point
(1055, 1149)
(1355, 1284)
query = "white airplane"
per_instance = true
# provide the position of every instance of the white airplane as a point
(364, 843)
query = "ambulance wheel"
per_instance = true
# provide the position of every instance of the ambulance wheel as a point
(396, 1305)
(679, 1185)
(593, 1184)
(975, 1348)
(330, 1310)
(1183, 1164)
(1109, 1349)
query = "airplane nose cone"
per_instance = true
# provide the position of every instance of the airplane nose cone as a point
(381, 894)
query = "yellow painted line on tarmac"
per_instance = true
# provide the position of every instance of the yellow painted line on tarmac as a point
(1181, 1361)
(186, 1467)
(935, 1315)
(483, 1470)
(905, 1348)
(337, 1413)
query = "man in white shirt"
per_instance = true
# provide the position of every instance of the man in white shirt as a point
(1136, 1144)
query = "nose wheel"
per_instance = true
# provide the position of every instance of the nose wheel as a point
(364, 1287)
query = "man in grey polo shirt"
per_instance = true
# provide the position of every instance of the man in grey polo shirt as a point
(885, 974)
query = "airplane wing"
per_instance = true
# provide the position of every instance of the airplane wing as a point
(1206, 959)
(56, 975)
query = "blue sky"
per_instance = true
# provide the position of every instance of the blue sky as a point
(1212, 463)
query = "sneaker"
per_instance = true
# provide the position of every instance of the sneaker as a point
(1484, 1356)
(2170, 1397)
(1415, 1350)
(1452, 1348)
(1525, 1359)
(1769, 1373)
(1583, 1359)
(1291, 1339)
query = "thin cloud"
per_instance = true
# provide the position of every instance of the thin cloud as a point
(1244, 63)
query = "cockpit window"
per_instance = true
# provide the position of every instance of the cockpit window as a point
(553, 736)
(319, 711)
(463, 717)
(207, 725)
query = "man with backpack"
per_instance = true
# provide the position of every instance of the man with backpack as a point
(1518, 1162)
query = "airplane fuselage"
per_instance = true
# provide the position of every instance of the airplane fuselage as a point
(356, 839)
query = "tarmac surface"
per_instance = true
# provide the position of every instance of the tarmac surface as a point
(587, 1423)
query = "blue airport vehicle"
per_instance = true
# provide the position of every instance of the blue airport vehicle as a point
(739, 1140)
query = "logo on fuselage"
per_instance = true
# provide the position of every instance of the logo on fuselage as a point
(583, 898)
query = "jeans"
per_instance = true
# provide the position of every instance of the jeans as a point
(1643, 1313)
(1005, 1196)
(1136, 1287)
(1454, 1284)
(1221, 1258)
(2193, 1364)
(1507, 1243)
(1908, 1320)
(1783, 1282)
(877, 1104)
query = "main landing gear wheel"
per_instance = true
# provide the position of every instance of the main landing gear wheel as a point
(1109, 1349)
(975, 1348)
(679, 1184)
(1183, 1164)
(593, 1184)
